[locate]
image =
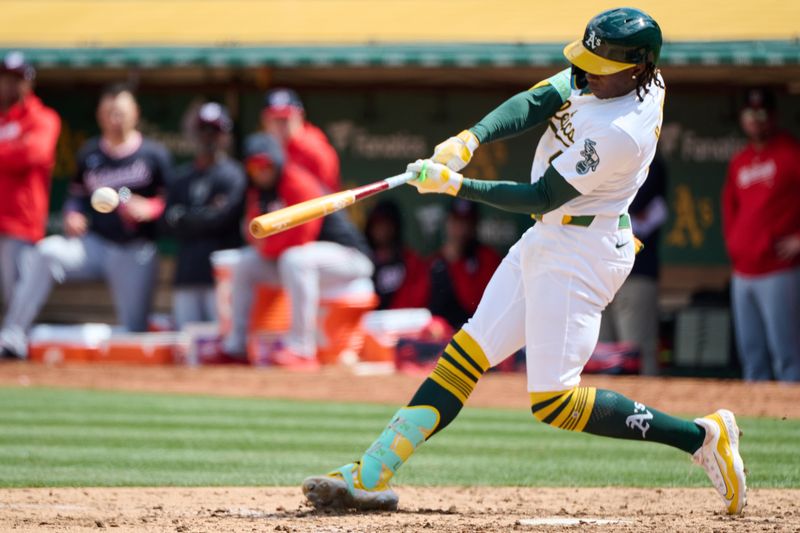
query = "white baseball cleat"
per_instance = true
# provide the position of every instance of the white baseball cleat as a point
(341, 489)
(719, 457)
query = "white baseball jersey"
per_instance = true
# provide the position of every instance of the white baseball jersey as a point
(602, 147)
(549, 292)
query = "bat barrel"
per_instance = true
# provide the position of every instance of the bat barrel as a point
(295, 215)
(289, 217)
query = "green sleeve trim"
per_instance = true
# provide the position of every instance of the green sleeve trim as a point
(547, 194)
(562, 82)
(525, 110)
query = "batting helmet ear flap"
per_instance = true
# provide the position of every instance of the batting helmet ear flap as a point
(578, 78)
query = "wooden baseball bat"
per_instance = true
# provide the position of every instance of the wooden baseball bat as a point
(294, 215)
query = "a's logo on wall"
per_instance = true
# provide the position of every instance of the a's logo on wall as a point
(590, 158)
(592, 41)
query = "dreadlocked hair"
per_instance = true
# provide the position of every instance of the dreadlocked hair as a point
(650, 75)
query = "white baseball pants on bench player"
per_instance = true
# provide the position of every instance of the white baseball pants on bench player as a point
(304, 272)
(548, 295)
(130, 270)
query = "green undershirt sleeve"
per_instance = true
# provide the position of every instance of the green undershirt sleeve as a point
(525, 110)
(550, 192)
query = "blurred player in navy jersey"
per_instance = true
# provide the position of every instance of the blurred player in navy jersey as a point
(118, 246)
(205, 204)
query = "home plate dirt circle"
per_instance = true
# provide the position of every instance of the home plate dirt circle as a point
(561, 521)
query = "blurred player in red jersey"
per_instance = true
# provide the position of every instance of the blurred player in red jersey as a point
(462, 267)
(401, 276)
(761, 223)
(324, 253)
(284, 118)
(28, 136)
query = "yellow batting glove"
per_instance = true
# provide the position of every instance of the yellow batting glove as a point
(456, 151)
(434, 178)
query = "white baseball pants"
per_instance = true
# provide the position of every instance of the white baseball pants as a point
(303, 271)
(548, 295)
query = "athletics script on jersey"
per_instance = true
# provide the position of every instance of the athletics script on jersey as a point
(561, 124)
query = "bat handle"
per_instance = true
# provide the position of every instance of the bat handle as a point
(400, 179)
(385, 184)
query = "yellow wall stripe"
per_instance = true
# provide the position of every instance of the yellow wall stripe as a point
(144, 22)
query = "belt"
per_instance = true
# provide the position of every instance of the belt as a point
(586, 220)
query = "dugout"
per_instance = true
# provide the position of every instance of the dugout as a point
(387, 80)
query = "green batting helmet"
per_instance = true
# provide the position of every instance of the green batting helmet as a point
(616, 40)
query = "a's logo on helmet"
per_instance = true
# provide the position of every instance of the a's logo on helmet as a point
(592, 41)
(590, 158)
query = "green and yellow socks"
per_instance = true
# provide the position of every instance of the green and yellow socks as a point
(436, 403)
(442, 395)
(607, 413)
(452, 381)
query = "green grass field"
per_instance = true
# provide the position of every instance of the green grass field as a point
(52, 437)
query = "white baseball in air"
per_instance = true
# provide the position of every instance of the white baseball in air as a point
(105, 199)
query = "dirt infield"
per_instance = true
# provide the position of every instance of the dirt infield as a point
(454, 509)
(441, 509)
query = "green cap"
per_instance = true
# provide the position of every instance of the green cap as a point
(616, 40)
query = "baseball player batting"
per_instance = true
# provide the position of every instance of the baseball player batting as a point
(604, 116)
